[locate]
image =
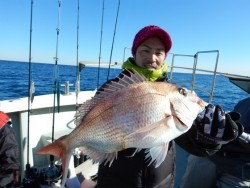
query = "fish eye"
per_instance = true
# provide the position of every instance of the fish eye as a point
(182, 91)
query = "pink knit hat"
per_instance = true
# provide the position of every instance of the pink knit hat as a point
(151, 31)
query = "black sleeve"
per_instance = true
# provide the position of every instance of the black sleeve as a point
(189, 142)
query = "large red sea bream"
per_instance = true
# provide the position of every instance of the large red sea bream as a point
(130, 113)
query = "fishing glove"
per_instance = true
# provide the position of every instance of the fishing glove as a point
(217, 127)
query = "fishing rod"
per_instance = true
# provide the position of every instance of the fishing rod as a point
(100, 51)
(56, 83)
(52, 173)
(77, 63)
(113, 38)
(29, 91)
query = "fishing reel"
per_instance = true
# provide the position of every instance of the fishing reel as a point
(79, 157)
(50, 175)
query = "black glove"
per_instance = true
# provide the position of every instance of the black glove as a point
(217, 127)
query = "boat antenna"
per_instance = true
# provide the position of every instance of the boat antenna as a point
(113, 38)
(100, 51)
(77, 62)
(29, 91)
(56, 83)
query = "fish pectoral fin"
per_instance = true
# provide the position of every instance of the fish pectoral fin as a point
(157, 154)
(152, 130)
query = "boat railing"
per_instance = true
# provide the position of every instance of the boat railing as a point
(194, 71)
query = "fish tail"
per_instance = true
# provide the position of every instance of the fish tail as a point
(60, 149)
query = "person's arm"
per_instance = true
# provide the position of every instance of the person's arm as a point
(208, 134)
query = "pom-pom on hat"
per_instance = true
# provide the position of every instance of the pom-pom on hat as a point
(151, 31)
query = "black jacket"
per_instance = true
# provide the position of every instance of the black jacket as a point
(129, 172)
(8, 154)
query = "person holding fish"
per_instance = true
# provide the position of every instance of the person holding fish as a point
(150, 48)
(129, 126)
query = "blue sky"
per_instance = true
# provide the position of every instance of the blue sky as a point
(194, 25)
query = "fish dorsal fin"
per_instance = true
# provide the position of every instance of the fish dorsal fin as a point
(125, 79)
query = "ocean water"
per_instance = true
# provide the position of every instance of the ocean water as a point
(14, 81)
(14, 78)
